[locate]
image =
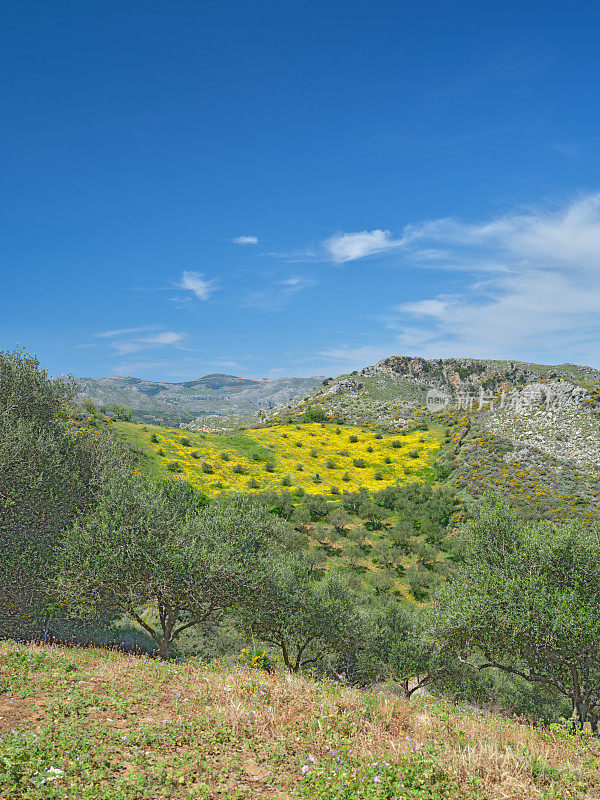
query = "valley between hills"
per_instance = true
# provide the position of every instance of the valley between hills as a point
(379, 585)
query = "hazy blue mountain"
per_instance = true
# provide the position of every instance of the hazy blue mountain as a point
(212, 394)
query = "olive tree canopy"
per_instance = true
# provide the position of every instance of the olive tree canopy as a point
(527, 601)
(145, 547)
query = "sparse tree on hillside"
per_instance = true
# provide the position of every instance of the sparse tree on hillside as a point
(120, 411)
(339, 518)
(373, 513)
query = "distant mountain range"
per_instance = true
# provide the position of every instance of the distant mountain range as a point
(153, 401)
(396, 378)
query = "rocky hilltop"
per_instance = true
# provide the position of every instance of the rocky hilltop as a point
(466, 374)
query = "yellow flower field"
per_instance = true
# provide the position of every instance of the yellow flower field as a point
(315, 457)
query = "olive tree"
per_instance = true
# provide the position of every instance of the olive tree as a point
(306, 618)
(397, 646)
(526, 600)
(144, 547)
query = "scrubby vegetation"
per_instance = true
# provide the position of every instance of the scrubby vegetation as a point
(537, 485)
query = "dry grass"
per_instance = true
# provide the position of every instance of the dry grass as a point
(234, 732)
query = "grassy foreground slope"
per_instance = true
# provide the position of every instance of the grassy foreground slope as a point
(312, 456)
(87, 723)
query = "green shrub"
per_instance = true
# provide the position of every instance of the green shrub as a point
(346, 477)
(173, 466)
(299, 467)
(387, 460)
(253, 484)
(239, 470)
(207, 468)
(161, 452)
(185, 441)
(353, 439)
(286, 481)
(154, 438)
(369, 449)
(334, 490)
(314, 454)
(379, 436)
(378, 476)
(269, 466)
(331, 464)
(195, 454)
(258, 659)
(414, 454)
(317, 478)
(314, 414)
(396, 443)
(359, 462)
(225, 456)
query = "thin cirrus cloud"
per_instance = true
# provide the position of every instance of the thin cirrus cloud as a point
(245, 240)
(529, 285)
(130, 340)
(278, 293)
(125, 331)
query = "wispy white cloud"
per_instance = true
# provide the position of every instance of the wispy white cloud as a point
(133, 345)
(355, 356)
(245, 240)
(166, 337)
(137, 368)
(275, 295)
(196, 283)
(125, 331)
(133, 340)
(344, 247)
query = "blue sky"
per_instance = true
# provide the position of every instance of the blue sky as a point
(296, 188)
